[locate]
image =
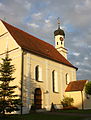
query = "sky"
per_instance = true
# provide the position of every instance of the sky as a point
(39, 18)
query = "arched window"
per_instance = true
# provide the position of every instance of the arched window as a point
(38, 73)
(61, 42)
(54, 81)
(67, 78)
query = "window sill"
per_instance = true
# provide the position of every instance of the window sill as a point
(39, 80)
(55, 92)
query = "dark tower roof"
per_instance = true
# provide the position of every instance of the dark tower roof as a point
(59, 32)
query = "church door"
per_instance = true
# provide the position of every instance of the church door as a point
(38, 98)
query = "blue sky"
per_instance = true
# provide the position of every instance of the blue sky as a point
(39, 18)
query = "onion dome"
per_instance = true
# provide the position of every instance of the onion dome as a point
(59, 32)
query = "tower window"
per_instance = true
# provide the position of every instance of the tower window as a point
(61, 42)
(57, 43)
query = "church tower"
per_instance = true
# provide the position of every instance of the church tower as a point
(60, 40)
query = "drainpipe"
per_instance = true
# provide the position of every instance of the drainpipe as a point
(22, 74)
(82, 100)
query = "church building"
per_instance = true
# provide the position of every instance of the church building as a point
(43, 71)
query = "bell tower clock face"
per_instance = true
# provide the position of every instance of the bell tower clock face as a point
(61, 38)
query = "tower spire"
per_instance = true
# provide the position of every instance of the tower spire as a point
(59, 35)
(58, 21)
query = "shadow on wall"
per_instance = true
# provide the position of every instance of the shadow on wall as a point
(29, 86)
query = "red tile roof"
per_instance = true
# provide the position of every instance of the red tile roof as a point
(35, 45)
(76, 85)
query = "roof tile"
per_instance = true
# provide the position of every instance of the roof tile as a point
(76, 85)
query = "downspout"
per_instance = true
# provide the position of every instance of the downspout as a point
(82, 100)
(22, 74)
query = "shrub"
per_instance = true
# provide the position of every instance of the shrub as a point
(67, 101)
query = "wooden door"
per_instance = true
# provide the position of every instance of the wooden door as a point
(37, 98)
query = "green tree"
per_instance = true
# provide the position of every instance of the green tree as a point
(9, 101)
(88, 88)
(67, 101)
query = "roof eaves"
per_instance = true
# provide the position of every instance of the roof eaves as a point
(40, 54)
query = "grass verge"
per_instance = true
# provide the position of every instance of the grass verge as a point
(42, 116)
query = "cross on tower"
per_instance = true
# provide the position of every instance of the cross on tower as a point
(58, 21)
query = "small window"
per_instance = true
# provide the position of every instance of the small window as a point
(57, 43)
(67, 79)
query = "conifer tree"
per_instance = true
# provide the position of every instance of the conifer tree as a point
(9, 101)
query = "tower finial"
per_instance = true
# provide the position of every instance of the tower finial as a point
(58, 21)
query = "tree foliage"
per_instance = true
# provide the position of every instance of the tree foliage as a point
(88, 88)
(67, 101)
(9, 101)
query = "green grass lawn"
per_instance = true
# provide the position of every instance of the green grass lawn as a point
(42, 116)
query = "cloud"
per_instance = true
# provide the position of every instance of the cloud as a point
(2, 7)
(47, 26)
(37, 16)
(77, 63)
(85, 58)
(15, 11)
(27, 5)
(47, 21)
(33, 25)
(76, 54)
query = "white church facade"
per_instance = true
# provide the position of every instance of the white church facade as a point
(43, 71)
